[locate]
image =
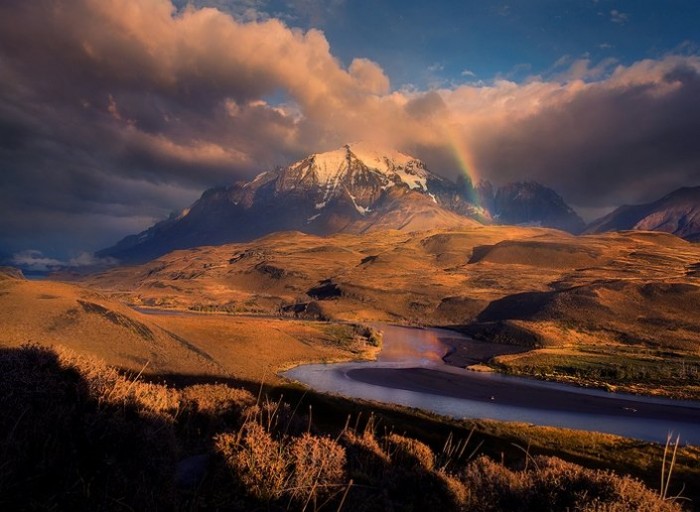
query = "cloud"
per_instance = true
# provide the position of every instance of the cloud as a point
(113, 113)
(618, 17)
(35, 260)
(623, 139)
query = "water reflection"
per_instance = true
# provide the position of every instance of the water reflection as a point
(457, 393)
(416, 347)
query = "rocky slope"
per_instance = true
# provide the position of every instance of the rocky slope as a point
(354, 189)
(530, 203)
(677, 213)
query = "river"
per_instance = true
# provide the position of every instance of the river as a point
(410, 371)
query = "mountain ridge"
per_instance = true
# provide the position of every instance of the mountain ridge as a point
(678, 213)
(354, 189)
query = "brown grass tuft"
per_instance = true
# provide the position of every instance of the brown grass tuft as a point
(318, 468)
(410, 452)
(552, 484)
(257, 460)
(76, 434)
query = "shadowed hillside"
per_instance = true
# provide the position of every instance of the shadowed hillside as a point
(677, 213)
(78, 435)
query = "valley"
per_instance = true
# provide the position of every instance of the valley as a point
(241, 314)
(317, 256)
(575, 303)
(246, 349)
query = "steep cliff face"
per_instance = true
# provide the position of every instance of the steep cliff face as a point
(532, 203)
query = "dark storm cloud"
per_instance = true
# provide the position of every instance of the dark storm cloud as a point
(115, 112)
(618, 142)
(101, 100)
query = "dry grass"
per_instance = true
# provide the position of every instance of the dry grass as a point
(257, 349)
(253, 349)
(382, 276)
(524, 286)
(78, 435)
(552, 485)
(53, 313)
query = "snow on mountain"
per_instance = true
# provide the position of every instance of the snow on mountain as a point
(331, 168)
(353, 189)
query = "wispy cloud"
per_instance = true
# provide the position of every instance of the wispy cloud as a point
(618, 17)
(35, 260)
(503, 10)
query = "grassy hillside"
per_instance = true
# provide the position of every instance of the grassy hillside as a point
(52, 313)
(76, 434)
(631, 296)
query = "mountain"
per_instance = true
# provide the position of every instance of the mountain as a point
(529, 203)
(354, 189)
(677, 213)
(11, 274)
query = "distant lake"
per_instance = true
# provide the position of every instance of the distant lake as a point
(410, 372)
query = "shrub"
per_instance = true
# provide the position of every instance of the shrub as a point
(396, 472)
(554, 485)
(257, 460)
(410, 452)
(318, 468)
(78, 435)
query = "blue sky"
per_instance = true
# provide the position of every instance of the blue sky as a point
(424, 44)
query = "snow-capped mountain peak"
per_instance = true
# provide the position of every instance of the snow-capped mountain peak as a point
(353, 189)
(393, 167)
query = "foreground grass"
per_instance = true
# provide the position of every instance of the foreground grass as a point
(78, 435)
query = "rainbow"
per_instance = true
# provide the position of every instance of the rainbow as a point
(461, 152)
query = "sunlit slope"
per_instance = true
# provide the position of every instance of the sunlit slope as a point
(379, 275)
(528, 285)
(52, 313)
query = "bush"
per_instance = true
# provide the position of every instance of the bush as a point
(77, 435)
(554, 485)
(258, 461)
(270, 464)
(318, 468)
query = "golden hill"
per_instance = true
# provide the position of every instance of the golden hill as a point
(60, 314)
(479, 274)
(621, 308)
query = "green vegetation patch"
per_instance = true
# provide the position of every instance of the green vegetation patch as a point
(630, 368)
(348, 336)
